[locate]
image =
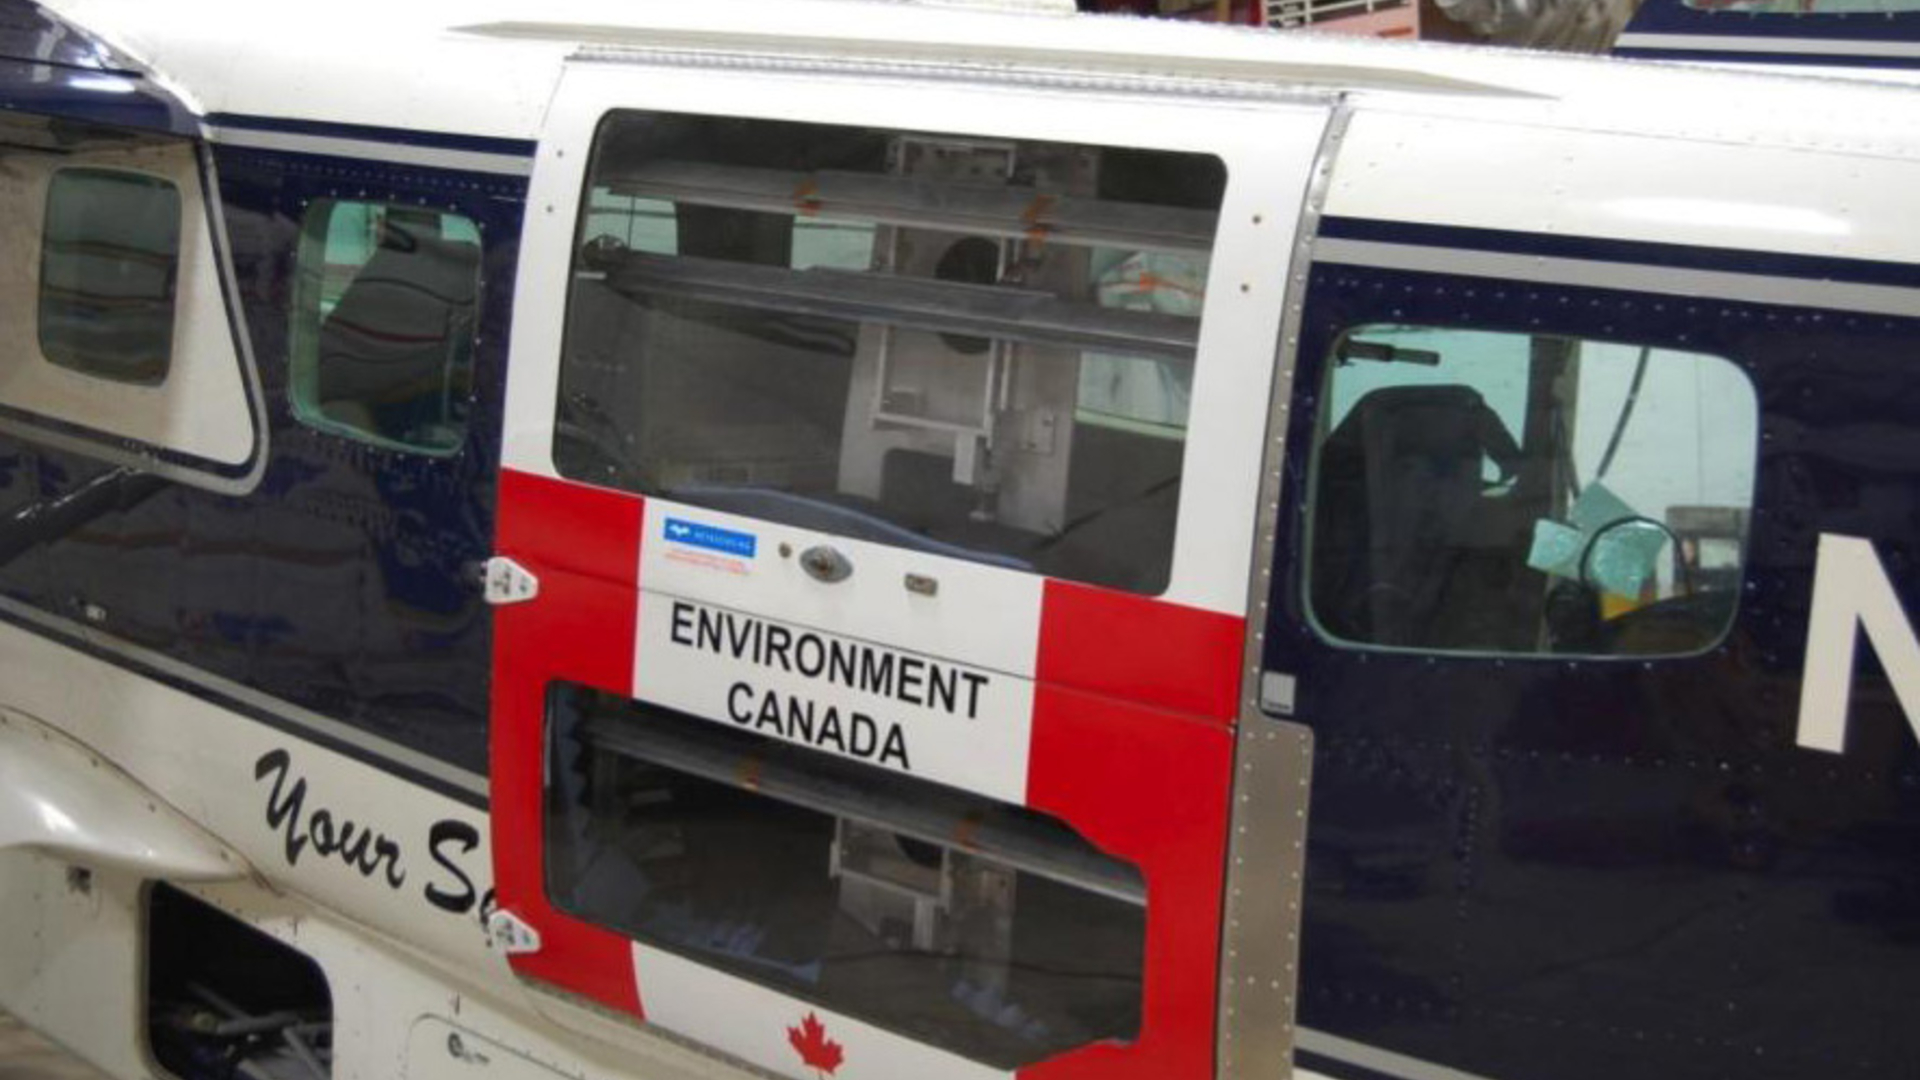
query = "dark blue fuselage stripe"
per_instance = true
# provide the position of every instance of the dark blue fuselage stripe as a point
(1675, 17)
(1759, 56)
(1626, 252)
(437, 140)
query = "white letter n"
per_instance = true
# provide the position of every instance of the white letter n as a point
(1851, 589)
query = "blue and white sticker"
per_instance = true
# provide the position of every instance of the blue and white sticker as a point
(740, 545)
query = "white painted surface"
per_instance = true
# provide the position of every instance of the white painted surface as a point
(24, 1055)
(1490, 174)
(61, 799)
(438, 1050)
(202, 407)
(755, 1024)
(71, 963)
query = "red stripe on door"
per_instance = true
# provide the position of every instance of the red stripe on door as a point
(1153, 789)
(1133, 746)
(1140, 649)
(583, 544)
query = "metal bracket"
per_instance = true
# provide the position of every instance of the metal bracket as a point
(511, 935)
(504, 581)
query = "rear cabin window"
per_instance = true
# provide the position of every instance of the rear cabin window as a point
(384, 323)
(109, 264)
(1492, 492)
(979, 348)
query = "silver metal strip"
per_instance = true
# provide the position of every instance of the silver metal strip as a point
(236, 323)
(431, 157)
(960, 72)
(1013, 58)
(1273, 759)
(1709, 284)
(1790, 46)
(328, 727)
(1377, 1060)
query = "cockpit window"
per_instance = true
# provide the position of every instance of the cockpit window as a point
(1480, 491)
(975, 347)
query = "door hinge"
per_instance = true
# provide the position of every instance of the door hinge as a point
(511, 935)
(507, 582)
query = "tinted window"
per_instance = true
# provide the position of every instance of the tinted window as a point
(1499, 492)
(981, 348)
(109, 265)
(383, 324)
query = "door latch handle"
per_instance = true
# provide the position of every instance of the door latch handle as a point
(503, 581)
(823, 563)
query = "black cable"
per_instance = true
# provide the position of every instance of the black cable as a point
(1626, 413)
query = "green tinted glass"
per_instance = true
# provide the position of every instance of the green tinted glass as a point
(383, 324)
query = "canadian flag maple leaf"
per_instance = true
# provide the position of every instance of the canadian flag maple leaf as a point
(817, 1052)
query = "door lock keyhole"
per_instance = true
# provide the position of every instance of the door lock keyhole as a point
(823, 563)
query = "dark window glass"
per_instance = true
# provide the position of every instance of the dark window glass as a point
(1481, 491)
(982, 928)
(384, 322)
(109, 265)
(981, 348)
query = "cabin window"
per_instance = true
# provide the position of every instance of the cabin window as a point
(384, 321)
(1493, 492)
(109, 265)
(981, 348)
(988, 930)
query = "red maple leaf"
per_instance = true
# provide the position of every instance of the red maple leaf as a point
(817, 1052)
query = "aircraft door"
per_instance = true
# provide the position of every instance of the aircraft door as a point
(872, 602)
